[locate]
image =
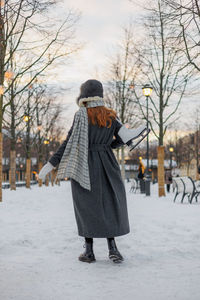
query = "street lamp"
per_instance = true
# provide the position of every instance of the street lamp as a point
(171, 150)
(46, 142)
(39, 127)
(147, 91)
(9, 75)
(26, 118)
(19, 140)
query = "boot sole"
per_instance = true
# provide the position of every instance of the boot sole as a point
(87, 260)
(115, 259)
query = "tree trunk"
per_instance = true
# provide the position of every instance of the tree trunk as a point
(13, 170)
(188, 167)
(47, 180)
(13, 143)
(39, 168)
(122, 164)
(197, 153)
(197, 174)
(2, 60)
(161, 172)
(28, 145)
(1, 166)
(28, 172)
(53, 176)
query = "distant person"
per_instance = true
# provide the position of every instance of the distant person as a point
(168, 179)
(86, 156)
(141, 170)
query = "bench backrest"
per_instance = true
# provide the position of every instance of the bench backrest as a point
(189, 185)
(184, 184)
(178, 184)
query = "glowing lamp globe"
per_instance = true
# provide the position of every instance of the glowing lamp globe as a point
(147, 90)
(9, 75)
(26, 118)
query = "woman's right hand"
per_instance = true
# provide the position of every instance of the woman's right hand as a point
(45, 170)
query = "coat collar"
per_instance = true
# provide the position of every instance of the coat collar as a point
(80, 102)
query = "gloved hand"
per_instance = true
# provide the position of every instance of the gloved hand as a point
(45, 170)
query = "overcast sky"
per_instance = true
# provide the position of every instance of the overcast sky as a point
(100, 28)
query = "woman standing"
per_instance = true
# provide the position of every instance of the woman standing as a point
(87, 158)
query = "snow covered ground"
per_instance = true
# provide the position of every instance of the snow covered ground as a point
(39, 247)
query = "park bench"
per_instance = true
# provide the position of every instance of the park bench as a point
(187, 187)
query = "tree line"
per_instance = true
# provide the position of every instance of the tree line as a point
(32, 42)
(165, 54)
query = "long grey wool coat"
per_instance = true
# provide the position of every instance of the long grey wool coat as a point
(101, 212)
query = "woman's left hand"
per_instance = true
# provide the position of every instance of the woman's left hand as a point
(45, 170)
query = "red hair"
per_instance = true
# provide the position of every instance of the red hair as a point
(101, 115)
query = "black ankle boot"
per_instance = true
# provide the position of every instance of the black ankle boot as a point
(88, 255)
(114, 253)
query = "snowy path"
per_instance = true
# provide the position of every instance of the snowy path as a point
(39, 249)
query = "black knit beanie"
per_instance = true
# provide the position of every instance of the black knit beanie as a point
(90, 88)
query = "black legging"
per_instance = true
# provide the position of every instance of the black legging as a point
(168, 187)
(90, 240)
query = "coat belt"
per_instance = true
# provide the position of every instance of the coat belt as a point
(99, 147)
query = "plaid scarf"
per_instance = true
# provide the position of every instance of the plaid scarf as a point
(74, 162)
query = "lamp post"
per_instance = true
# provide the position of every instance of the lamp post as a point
(46, 143)
(147, 91)
(40, 146)
(27, 120)
(171, 150)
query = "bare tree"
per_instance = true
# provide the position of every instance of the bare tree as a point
(40, 113)
(164, 68)
(47, 128)
(186, 16)
(123, 72)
